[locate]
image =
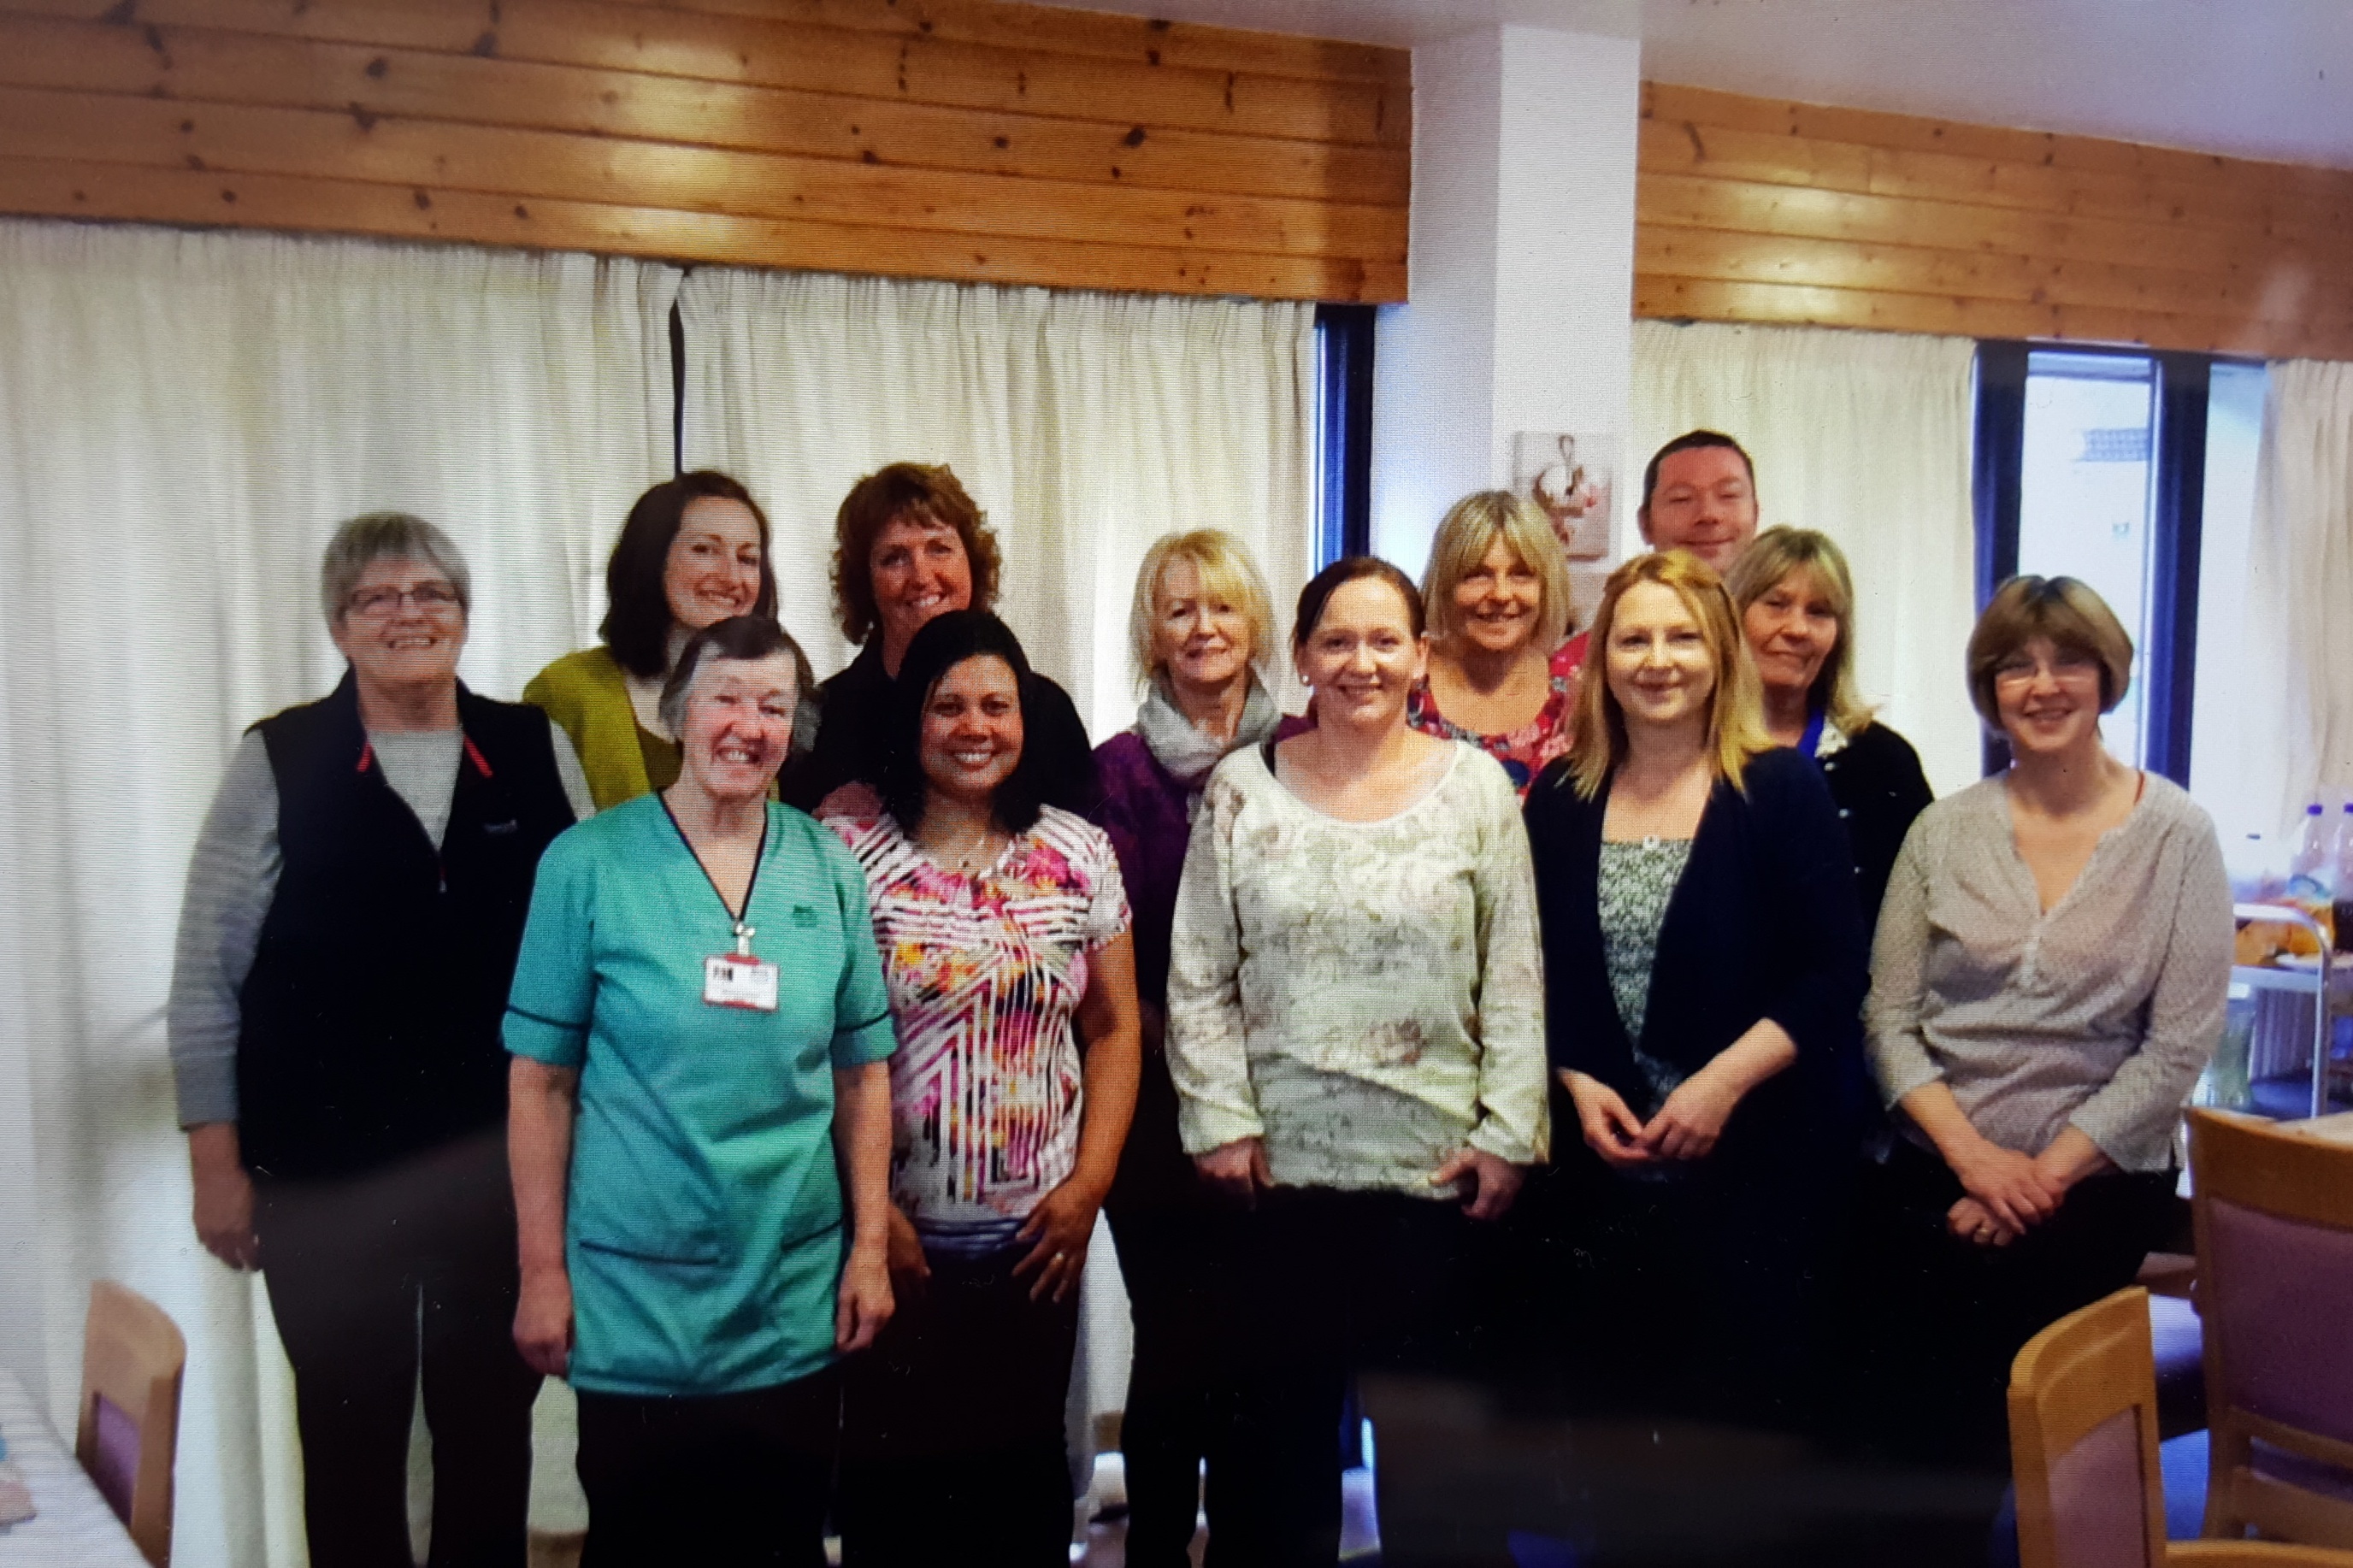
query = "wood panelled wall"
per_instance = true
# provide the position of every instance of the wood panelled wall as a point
(1751, 210)
(957, 139)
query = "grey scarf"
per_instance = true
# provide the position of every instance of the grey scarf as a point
(1185, 752)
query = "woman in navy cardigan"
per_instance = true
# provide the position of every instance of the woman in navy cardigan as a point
(1705, 963)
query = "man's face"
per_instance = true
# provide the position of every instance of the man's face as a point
(1704, 502)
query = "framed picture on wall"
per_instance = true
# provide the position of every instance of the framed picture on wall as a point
(1570, 476)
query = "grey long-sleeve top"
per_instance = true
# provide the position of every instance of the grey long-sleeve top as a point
(233, 877)
(2097, 1014)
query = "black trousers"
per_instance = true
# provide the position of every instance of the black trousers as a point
(1178, 1263)
(726, 1478)
(369, 1277)
(952, 1425)
(1949, 1315)
(1333, 1283)
(1702, 1297)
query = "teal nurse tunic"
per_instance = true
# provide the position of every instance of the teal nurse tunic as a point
(705, 1227)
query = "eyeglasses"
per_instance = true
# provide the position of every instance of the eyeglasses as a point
(383, 604)
(2067, 668)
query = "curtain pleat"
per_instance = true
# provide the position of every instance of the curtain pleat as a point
(1866, 437)
(1086, 426)
(2299, 612)
(184, 417)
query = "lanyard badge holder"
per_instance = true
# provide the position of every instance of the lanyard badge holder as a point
(738, 979)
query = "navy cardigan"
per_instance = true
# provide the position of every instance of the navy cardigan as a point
(1764, 924)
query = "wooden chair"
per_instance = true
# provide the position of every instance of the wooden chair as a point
(2083, 1443)
(2275, 1217)
(128, 1433)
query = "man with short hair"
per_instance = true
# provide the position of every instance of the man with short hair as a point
(1699, 494)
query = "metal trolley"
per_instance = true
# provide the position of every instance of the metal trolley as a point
(2323, 982)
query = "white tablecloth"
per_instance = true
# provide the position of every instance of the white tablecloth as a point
(75, 1528)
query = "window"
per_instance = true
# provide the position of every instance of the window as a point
(2091, 463)
(1344, 432)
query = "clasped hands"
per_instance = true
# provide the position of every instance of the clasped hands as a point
(1685, 1128)
(1487, 1183)
(2006, 1193)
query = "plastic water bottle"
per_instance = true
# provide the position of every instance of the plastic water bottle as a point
(2312, 873)
(2343, 906)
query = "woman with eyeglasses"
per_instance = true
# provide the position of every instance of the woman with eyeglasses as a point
(693, 552)
(352, 914)
(2049, 978)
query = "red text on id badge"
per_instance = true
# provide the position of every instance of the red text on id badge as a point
(739, 980)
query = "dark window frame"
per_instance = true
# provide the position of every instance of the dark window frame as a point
(1343, 431)
(2176, 521)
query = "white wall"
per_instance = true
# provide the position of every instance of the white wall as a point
(1522, 270)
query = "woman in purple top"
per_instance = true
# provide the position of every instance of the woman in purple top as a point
(1201, 623)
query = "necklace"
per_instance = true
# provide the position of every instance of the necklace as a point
(974, 849)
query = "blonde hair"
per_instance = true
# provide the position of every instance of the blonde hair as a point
(1777, 553)
(1735, 724)
(2071, 615)
(1226, 569)
(1468, 531)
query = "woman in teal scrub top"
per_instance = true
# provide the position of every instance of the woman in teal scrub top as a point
(699, 1029)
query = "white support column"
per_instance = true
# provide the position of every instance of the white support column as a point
(1521, 315)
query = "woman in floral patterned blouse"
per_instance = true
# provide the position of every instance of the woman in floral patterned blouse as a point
(1502, 669)
(1003, 933)
(1355, 1029)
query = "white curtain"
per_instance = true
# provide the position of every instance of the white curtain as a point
(183, 418)
(1085, 425)
(2294, 724)
(1866, 437)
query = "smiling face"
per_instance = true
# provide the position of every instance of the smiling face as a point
(1660, 668)
(738, 725)
(918, 570)
(712, 570)
(402, 626)
(971, 741)
(1792, 628)
(1201, 636)
(2048, 697)
(1363, 658)
(1498, 602)
(1704, 502)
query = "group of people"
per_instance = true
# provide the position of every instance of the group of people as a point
(1613, 1011)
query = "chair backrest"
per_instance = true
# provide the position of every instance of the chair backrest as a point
(127, 1435)
(2274, 1218)
(2083, 1440)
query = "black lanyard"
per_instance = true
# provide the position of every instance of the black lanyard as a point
(744, 933)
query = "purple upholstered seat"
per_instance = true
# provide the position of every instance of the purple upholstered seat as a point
(2280, 1299)
(2099, 1503)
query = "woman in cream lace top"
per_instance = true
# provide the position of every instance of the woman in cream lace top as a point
(1355, 1029)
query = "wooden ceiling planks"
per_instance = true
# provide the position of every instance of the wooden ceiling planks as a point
(958, 139)
(1753, 210)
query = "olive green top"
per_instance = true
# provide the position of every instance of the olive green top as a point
(587, 698)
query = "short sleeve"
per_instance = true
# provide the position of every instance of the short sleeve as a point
(554, 997)
(1107, 913)
(862, 1029)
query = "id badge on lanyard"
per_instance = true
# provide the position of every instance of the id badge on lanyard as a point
(738, 979)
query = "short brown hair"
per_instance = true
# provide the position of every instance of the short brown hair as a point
(2075, 618)
(927, 492)
(1778, 553)
(1735, 723)
(1468, 531)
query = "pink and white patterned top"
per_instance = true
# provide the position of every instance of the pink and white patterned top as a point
(985, 972)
